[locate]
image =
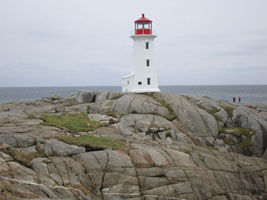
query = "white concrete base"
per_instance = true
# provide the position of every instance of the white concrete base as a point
(145, 90)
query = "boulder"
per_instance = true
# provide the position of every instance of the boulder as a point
(251, 119)
(101, 96)
(114, 95)
(12, 115)
(84, 96)
(15, 140)
(81, 108)
(141, 123)
(58, 148)
(198, 121)
(139, 104)
(222, 116)
(102, 119)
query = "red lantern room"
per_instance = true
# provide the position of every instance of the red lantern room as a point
(143, 26)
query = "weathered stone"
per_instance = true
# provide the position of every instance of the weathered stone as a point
(222, 116)
(84, 96)
(15, 140)
(163, 162)
(101, 96)
(60, 108)
(81, 108)
(114, 95)
(139, 104)
(171, 190)
(198, 121)
(41, 109)
(230, 137)
(265, 154)
(168, 140)
(55, 147)
(138, 122)
(103, 119)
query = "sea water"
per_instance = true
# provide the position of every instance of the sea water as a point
(250, 94)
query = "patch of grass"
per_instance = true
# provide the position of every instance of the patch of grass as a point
(73, 122)
(31, 116)
(246, 142)
(244, 135)
(25, 158)
(229, 111)
(93, 142)
(212, 111)
(236, 131)
(208, 147)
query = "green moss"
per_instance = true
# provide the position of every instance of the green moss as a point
(25, 158)
(243, 134)
(94, 142)
(74, 122)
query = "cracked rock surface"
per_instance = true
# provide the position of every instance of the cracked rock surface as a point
(194, 154)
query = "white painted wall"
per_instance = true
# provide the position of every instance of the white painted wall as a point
(140, 69)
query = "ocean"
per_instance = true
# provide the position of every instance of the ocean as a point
(250, 94)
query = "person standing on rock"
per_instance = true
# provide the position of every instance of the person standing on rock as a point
(234, 99)
(239, 99)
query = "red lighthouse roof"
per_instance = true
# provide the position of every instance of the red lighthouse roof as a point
(143, 20)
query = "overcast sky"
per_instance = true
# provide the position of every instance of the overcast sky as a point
(86, 42)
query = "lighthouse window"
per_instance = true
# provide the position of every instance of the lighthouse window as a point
(146, 26)
(148, 81)
(147, 62)
(147, 45)
(139, 26)
(139, 83)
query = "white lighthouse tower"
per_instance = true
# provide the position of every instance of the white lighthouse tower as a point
(143, 77)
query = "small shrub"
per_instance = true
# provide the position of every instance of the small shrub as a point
(93, 142)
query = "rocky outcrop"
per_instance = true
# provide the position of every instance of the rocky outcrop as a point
(178, 147)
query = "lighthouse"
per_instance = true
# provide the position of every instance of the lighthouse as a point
(144, 76)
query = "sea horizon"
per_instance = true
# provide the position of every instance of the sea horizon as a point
(250, 94)
(121, 86)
